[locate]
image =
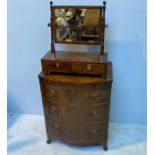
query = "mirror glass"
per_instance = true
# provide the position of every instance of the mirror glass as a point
(77, 25)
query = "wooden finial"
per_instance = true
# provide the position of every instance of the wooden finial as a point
(104, 3)
(102, 32)
(51, 3)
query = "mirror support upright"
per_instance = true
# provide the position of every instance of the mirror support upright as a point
(52, 31)
(102, 26)
(103, 29)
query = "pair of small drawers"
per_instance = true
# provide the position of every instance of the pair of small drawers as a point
(48, 66)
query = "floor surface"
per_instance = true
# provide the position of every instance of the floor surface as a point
(27, 136)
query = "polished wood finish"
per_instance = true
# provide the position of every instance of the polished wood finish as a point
(75, 62)
(76, 87)
(100, 8)
(76, 107)
(101, 26)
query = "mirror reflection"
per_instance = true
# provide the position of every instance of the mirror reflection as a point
(73, 25)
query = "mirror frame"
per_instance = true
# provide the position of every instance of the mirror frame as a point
(101, 24)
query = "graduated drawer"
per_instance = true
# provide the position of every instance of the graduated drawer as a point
(80, 133)
(77, 113)
(64, 95)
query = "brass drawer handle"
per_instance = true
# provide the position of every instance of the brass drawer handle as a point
(95, 113)
(94, 131)
(73, 91)
(54, 110)
(52, 93)
(55, 126)
(97, 97)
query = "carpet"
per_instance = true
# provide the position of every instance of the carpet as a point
(27, 136)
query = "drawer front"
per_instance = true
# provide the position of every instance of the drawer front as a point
(75, 96)
(85, 96)
(77, 113)
(75, 105)
(56, 94)
(63, 67)
(56, 67)
(86, 113)
(69, 67)
(82, 134)
(89, 68)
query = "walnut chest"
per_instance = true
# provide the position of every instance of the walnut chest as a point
(76, 86)
(76, 107)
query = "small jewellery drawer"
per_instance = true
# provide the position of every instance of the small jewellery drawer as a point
(56, 67)
(89, 68)
(74, 67)
(78, 133)
(60, 66)
(96, 68)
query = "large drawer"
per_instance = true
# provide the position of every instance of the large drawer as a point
(65, 95)
(77, 113)
(80, 134)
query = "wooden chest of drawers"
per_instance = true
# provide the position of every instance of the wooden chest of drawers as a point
(76, 107)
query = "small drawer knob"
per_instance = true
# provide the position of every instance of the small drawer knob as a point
(88, 67)
(57, 65)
